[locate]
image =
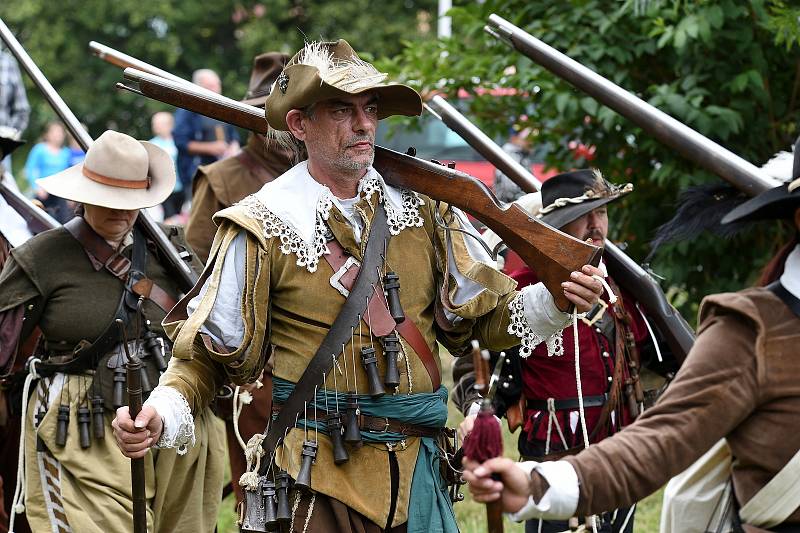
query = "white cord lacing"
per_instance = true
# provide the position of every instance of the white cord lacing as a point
(18, 502)
(612, 299)
(240, 399)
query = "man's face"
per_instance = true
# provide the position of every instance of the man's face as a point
(593, 225)
(211, 82)
(340, 133)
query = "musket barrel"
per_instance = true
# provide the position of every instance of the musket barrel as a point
(76, 129)
(701, 150)
(483, 144)
(123, 60)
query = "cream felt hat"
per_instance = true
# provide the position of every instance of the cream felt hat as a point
(118, 172)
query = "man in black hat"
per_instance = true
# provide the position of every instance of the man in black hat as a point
(541, 383)
(735, 396)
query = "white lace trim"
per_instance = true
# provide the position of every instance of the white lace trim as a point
(178, 429)
(308, 254)
(407, 216)
(520, 327)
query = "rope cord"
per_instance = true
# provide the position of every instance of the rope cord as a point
(18, 502)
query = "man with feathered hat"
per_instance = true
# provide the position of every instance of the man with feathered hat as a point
(613, 340)
(277, 287)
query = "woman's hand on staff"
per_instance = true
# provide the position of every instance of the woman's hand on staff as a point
(134, 438)
(512, 490)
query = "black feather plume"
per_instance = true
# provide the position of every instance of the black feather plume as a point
(700, 209)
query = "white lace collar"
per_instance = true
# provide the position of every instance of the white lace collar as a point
(295, 207)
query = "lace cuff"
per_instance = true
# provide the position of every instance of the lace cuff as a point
(536, 319)
(178, 421)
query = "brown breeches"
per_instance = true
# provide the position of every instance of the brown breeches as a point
(329, 515)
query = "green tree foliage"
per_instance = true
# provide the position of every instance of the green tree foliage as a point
(727, 68)
(183, 35)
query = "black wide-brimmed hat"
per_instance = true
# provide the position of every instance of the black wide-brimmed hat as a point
(9, 140)
(777, 203)
(570, 195)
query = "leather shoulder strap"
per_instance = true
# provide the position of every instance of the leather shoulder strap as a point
(791, 301)
(100, 253)
(351, 312)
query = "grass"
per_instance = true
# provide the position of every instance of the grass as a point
(471, 516)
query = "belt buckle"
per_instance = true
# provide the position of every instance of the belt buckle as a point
(596, 312)
(336, 279)
(119, 265)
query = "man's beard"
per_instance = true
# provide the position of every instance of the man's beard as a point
(346, 162)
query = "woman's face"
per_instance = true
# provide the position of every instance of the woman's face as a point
(111, 224)
(55, 135)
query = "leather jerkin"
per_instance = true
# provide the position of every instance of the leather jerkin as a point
(350, 314)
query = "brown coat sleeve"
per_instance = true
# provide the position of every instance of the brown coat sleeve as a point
(714, 391)
(200, 229)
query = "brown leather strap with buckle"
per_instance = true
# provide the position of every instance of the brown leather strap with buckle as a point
(149, 289)
(380, 321)
(102, 255)
(377, 424)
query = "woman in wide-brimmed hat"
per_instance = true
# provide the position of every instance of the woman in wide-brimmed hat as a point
(73, 282)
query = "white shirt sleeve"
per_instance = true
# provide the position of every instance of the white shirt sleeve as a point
(561, 499)
(224, 324)
(536, 319)
(172, 407)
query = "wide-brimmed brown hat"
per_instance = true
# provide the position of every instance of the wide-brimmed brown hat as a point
(118, 172)
(325, 70)
(266, 69)
(570, 195)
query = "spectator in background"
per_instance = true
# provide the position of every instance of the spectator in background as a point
(162, 124)
(46, 158)
(201, 140)
(76, 153)
(14, 107)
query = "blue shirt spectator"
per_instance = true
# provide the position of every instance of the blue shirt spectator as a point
(47, 157)
(191, 127)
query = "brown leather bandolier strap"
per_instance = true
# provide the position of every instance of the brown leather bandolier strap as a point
(377, 424)
(255, 168)
(102, 255)
(381, 322)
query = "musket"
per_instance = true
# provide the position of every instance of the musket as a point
(133, 366)
(691, 144)
(186, 276)
(37, 219)
(676, 331)
(549, 251)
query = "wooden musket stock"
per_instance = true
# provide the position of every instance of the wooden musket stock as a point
(676, 331)
(551, 253)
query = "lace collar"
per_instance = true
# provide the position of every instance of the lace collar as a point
(294, 207)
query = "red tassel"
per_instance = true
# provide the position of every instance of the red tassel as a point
(485, 441)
